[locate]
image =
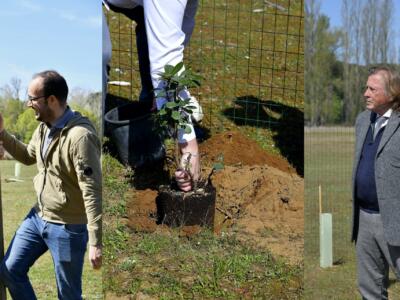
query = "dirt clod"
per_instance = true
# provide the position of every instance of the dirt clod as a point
(258, 196)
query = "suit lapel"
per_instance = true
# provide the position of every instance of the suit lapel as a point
(362, 134)
(392, 125)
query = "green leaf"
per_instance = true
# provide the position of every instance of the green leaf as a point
(177, 79)
(176, 115)
(171, 104)
(168, 69)
(189, 111)
(162, 112)
(160, 93)
(188, 129)
(177, 68)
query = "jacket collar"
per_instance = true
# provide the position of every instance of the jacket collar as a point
(391, 127)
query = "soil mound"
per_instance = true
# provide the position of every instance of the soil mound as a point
(237, 149)
(263, 205)
(257, 197)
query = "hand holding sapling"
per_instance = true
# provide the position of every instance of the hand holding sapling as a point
(174, 115)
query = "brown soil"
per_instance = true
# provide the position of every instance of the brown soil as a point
(258, 196)
(237, 149)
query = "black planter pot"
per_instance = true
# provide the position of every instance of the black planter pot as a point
(131, 129)
(176, 208)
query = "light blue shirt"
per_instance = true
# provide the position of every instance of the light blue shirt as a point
(59, 124)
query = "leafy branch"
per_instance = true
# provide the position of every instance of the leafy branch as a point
(175, 114)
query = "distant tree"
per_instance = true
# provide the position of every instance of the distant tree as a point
(87, 102)
(11, 109)
(11, 90)
(376, 31)
(94, 118)
(16, 87)
(86, 99)
(321, 45)
(26, 125)
(367, 27)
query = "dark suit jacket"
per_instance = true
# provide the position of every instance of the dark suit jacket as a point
(387, 175)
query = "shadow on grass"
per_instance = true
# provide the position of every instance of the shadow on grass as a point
(285, 122)
(339, 261)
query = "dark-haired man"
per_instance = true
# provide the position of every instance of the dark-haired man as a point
(376, 179)
(67, 214)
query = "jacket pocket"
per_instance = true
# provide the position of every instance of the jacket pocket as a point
(53, 196)
(38, 183)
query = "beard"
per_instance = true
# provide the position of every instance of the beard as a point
(44, 114)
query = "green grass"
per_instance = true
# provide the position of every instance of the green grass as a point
(251, 57)
(165, 265)
(328, 162)
(18, 198)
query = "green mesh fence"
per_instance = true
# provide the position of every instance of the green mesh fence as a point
(250, 54)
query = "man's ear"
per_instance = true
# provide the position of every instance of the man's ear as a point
(52, 100)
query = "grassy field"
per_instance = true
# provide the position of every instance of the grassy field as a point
(168, 265)
(328, 162)
(250, 54)
(18, 198)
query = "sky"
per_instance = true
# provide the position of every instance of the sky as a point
(43, 34)
(332, 9)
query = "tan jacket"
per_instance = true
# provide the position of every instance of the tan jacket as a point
(69, 181)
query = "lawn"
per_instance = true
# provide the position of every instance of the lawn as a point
(18, 198)
(167, 264)
(250, 54)
(328, 162)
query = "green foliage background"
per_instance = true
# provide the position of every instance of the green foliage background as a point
(20, 120)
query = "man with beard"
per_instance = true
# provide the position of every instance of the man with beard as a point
(67, 214)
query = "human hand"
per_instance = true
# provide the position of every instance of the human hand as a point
(183, 179)
(95, 256)
(188, 172)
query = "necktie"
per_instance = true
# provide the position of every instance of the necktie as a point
(379, 124)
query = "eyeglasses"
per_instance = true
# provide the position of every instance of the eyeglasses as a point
(33, 99)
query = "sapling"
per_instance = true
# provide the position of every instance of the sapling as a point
(175, 114)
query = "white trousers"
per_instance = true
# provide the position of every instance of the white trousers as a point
(169, 26)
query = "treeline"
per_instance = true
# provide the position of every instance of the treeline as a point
(338, 59)
(20, 120)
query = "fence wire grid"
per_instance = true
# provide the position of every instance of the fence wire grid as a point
(251, 56)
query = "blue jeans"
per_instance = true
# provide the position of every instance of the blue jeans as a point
(67, 245)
